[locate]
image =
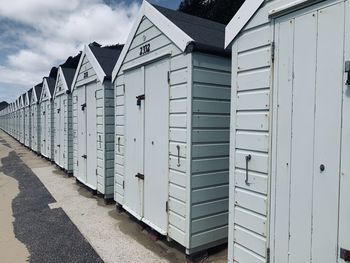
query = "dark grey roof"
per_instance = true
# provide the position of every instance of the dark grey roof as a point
(107, 57)
(69, 76)
(38, 88)
(51, 83)
(208, 36)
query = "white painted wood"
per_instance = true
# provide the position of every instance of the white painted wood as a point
(309, 121)
(330, 64)
(134, 142)
(344, 211)
(175, 34)
(240, 19)
(91, 137)
(156, 144)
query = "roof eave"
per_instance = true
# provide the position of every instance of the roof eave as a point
(174, 33)
(241, 18)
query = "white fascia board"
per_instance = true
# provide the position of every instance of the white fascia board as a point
(240, 19)
(45, 90)
(34, 96)
(61, 76)
(94, 63)
(168, 28)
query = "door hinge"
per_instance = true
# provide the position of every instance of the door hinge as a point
(140, 176)
(77, 163)
(96, 171)
(123, 184)
(167, 206)
(168, 76)
(345, 254)
(273, 51)
(83, 106)
(139, 99)
(268, 255)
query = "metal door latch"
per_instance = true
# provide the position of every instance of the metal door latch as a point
(347, 70)
(58, 110)
(140, 176)
(345, 254)
(58, 145)
(83, 106)
(139, 99)
(84, 156)
(247, 159)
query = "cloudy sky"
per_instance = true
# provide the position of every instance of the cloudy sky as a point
(38, 34)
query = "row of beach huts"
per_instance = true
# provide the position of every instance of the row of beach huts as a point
(247, 144)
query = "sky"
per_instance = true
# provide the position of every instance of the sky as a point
(36, 35)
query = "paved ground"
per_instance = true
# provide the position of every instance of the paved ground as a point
(46, 217)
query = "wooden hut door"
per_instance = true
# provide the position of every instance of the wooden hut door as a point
(156, 160)
(91, 136)
(81, 133)
(57, 136)
(308, 85)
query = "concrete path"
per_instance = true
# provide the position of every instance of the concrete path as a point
(57, 220)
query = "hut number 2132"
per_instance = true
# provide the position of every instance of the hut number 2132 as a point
(145, 49)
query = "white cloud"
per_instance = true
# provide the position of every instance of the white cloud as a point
(59, 29)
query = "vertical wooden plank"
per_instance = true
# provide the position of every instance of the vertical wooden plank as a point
(344, 206)
(283, 89)
(329, 83)
(302, 137)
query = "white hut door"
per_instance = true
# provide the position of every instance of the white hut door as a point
(43, 128)
(57, 146)
(134, 140)
(309, 82)
(156, 145)
(63, 136)
(91, 143)
(81, 133)
(48, 129)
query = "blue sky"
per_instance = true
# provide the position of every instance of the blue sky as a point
(38, 34)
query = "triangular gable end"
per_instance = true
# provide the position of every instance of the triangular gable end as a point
(241, 18)
(34, 97)
(61, 83)
(168, 28)
(45, 93)
(26, 101)
(87, 57)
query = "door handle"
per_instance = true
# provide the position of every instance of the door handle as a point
(58, 145)
(84, 156)
(247, 159)
(140, 176)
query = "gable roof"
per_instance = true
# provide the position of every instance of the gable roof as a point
(68, 74)
(189, 33)
(51, 84)
(37, 89)
(206, 34)
(240, 19)
(102, 59)
(106, 57)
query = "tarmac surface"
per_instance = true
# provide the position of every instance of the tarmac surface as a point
(45, 216)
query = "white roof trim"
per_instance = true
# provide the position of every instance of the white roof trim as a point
(94, 63)
(34, 94)
(240, 19)
(46, 87)
(175, 34)
(60, 75)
